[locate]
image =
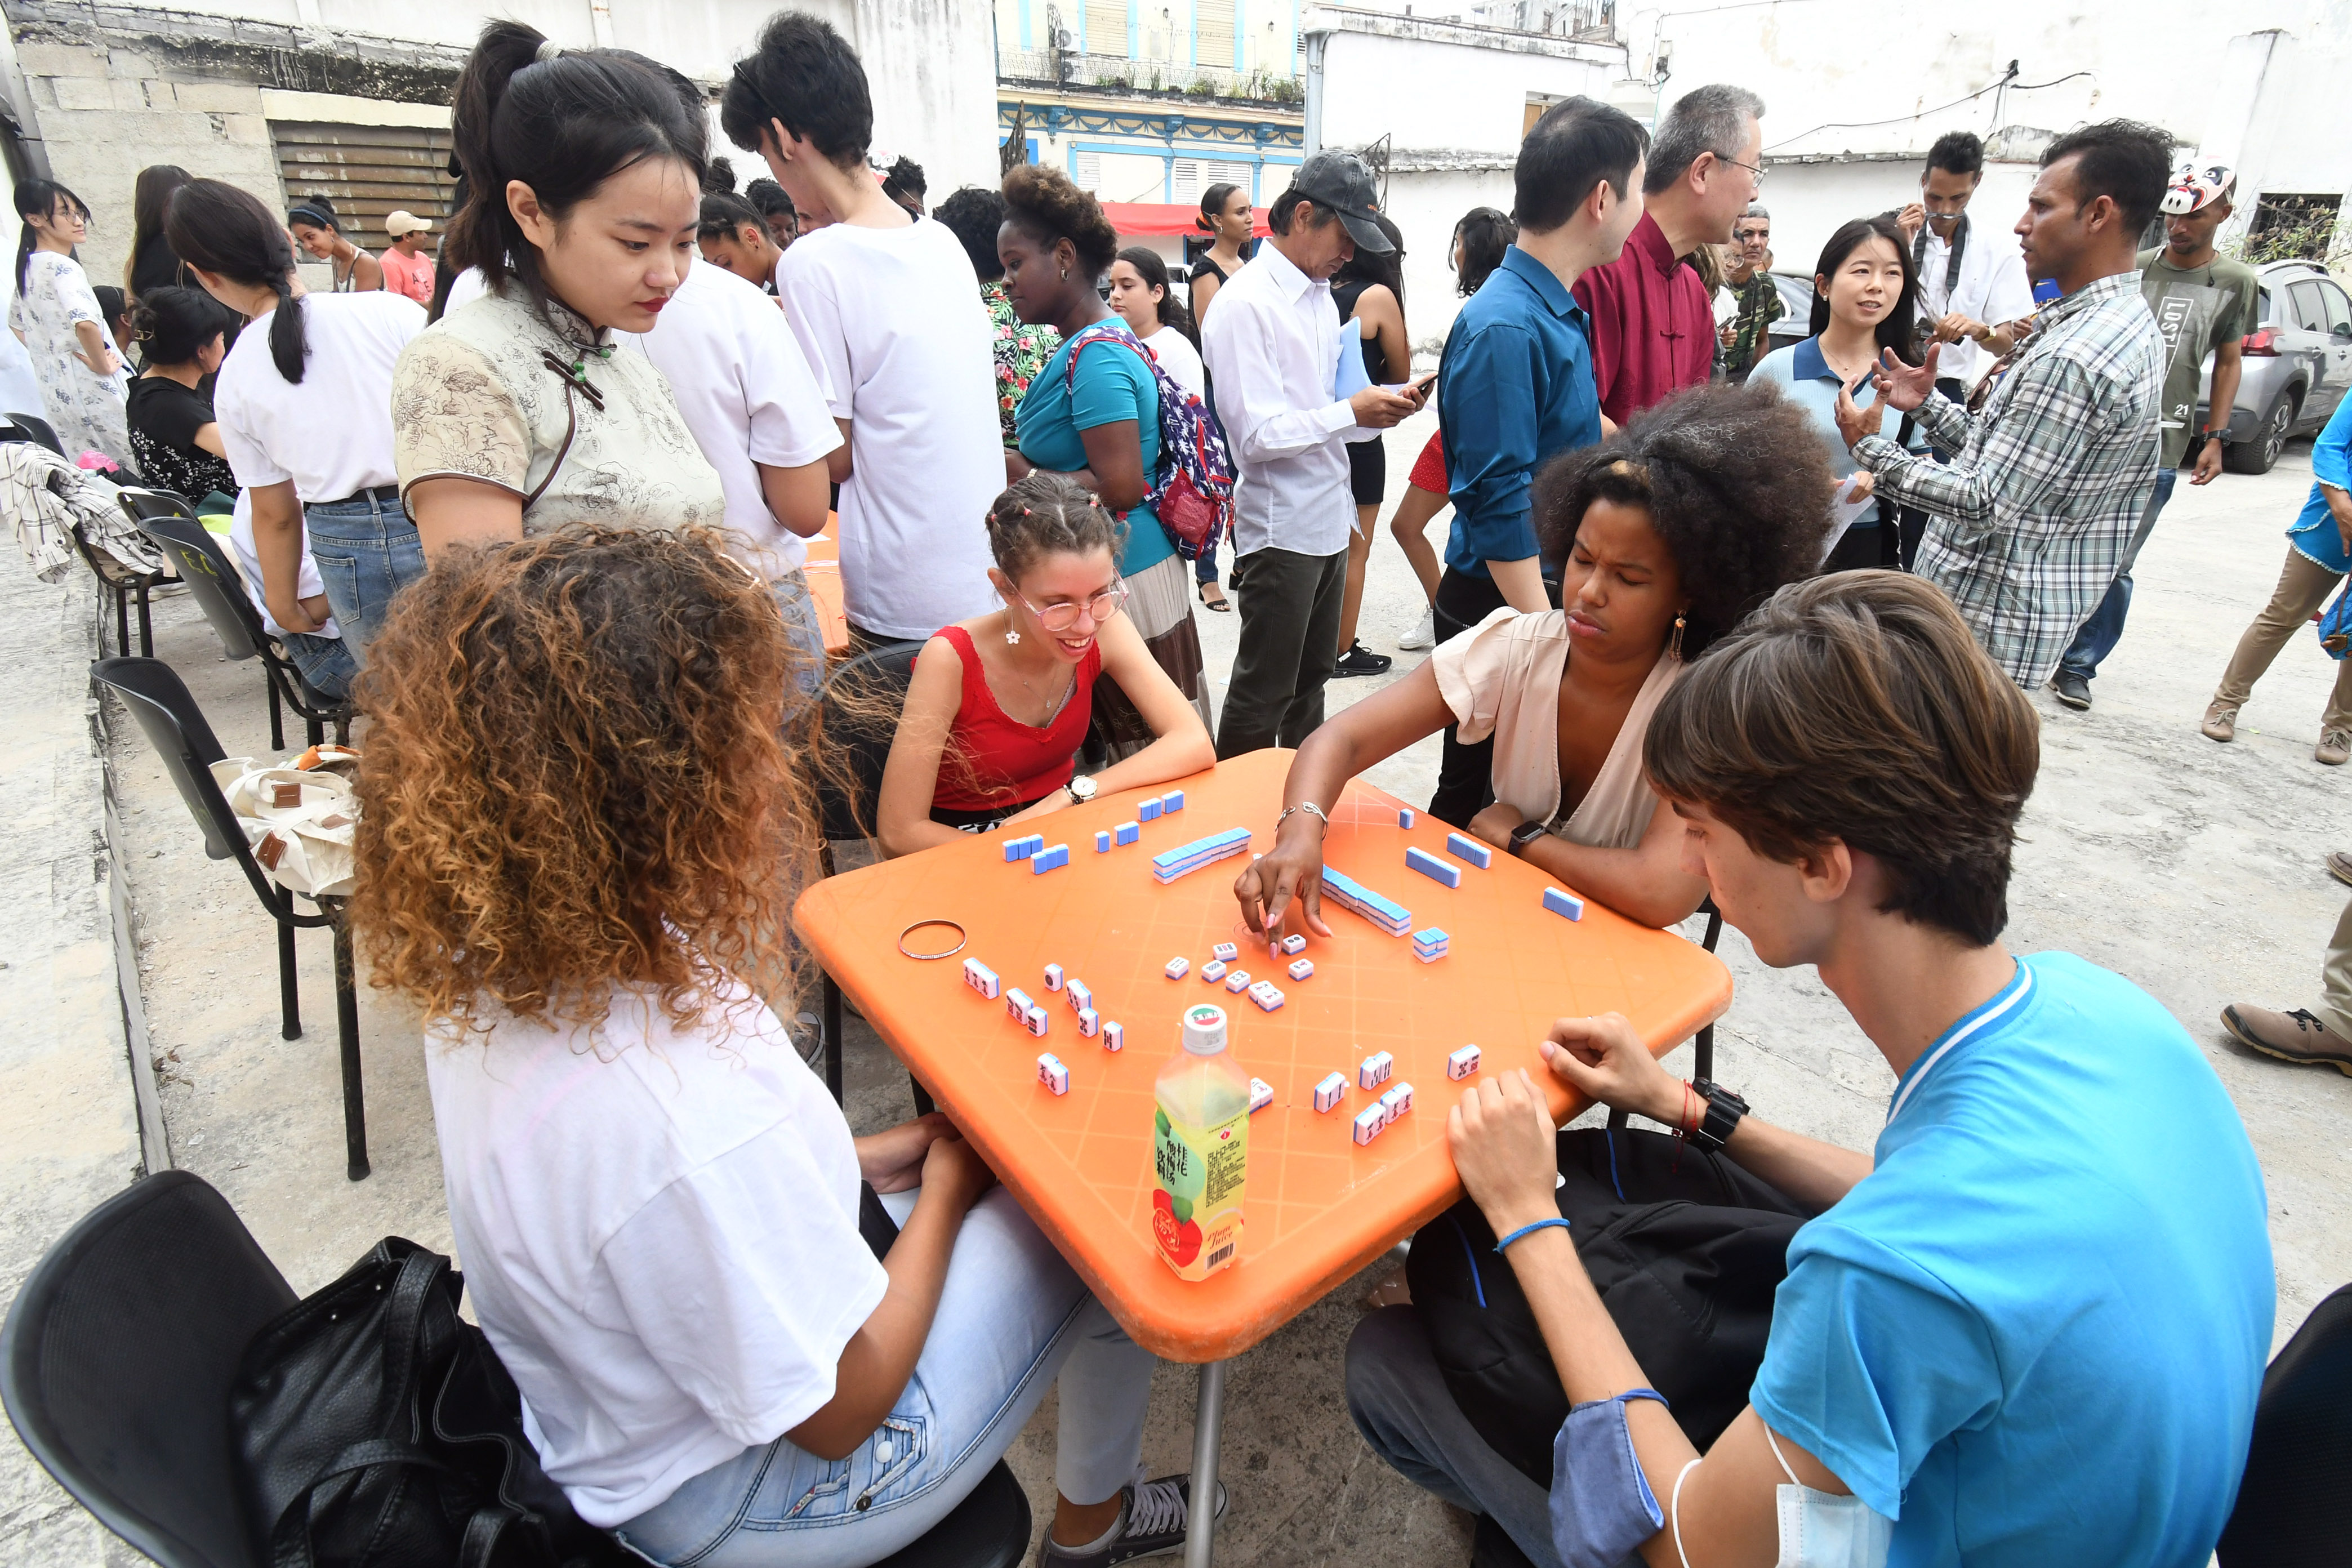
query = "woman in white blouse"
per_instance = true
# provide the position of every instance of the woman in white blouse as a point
(1664, 535)
(1140, 293)
(515, 413)
(56, 315)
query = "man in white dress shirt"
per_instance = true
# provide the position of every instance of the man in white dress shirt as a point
(1272, 351)
(1972, 285)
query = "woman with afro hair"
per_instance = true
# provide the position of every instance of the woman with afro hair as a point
(1092, 412)
(1663, 535)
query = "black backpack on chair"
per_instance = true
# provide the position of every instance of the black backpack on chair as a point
(1686, 1249)
(374, 1427)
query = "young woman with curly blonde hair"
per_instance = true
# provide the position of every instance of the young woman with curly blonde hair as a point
(584, 824)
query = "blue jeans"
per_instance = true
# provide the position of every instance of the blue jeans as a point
(802, 629)
(1011, 1315)
(325, 662)
(2100, 633)
(367, 551)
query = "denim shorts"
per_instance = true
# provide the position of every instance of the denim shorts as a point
(367, 551)
(802, 627)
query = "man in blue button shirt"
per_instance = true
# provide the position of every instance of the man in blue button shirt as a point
(1516, 385)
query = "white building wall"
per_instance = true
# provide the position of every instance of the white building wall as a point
(106, 106)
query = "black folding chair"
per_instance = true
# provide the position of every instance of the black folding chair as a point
(219, 591)
(30, 427)
(117, 1358)
(118, 1354)
(1703, 1044)
(2294, 1510)
(125, 584)
(176, 727)
(861, 703)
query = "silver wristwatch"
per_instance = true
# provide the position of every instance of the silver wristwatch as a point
(1081, 788)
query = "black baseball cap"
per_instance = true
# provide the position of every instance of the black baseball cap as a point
(1341, 182)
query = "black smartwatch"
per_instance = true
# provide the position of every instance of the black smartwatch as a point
(1524, 834)
(1724, 1109)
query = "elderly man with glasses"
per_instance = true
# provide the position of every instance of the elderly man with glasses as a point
(1652, 319)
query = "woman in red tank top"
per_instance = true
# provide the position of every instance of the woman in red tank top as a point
(1000, 704)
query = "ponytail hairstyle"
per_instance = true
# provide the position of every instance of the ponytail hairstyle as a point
(562, 121)
(149, 198)
(216, 227)
(172, 325)
(718, 176)
(724, 213)
(313, 212)
(1049, 514)
(1154, 273)
(40, 197)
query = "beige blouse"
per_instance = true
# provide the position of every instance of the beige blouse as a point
(1502, 678)
(473, 395)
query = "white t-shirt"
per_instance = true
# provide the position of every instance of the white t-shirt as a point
(333, 433)
(658, 1229)
(893, 324)
(1180, 359)
(1991, 289)
(748, 396)
(465, 288)
(308, 585)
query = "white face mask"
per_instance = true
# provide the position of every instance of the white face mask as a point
(1819, 1530)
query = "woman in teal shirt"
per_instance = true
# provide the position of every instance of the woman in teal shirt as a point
(1093, 413)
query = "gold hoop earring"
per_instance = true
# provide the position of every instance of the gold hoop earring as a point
(1674, 647)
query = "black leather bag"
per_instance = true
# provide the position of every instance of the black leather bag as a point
(374, 1427)
(1686, 1249)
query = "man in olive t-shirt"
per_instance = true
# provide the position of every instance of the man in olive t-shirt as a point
(2203, 302)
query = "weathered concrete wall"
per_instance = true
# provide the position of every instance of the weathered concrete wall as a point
(115, 89)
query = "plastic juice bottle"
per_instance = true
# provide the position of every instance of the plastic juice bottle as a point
(1201, 1148)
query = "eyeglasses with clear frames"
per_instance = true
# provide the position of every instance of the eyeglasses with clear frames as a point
(1063, 617)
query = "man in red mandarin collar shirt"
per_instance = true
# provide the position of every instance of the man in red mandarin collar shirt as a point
(1653, 322)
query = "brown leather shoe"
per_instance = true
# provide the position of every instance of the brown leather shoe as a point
(2340, 866)
(2334, 748)
(2295, 1036)
(2221, 720)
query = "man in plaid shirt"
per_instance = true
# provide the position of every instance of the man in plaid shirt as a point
(2029, 521)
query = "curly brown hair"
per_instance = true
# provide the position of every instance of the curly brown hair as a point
(578, 778)
(1734, 480)
(1047, 206)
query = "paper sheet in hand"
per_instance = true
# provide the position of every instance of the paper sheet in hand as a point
(1845, 510)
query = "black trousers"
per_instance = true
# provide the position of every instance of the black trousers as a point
(1465, 774)
(1290, 624)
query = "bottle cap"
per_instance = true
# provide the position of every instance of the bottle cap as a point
(1205, 1029)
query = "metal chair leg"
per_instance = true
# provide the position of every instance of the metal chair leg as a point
(122, 619)
(276, 724)
(833, 1038)
(1703, 1054)
(290, 994)
(146, 631)
(347, 1032)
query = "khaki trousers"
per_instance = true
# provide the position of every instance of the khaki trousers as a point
(2335, 1008)
(2302, 587)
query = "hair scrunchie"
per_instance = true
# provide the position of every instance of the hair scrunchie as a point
(548, 49)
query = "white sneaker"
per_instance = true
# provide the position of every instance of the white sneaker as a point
(1423, 635)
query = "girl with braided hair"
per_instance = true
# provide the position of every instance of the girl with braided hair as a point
(1001, 702)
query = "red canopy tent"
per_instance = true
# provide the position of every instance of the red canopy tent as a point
(1170, 218)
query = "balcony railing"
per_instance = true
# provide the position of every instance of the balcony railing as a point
(1074, 67)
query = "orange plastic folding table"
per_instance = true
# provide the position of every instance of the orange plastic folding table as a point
(1318, 1207)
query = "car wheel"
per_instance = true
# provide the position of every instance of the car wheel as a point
(2256, 455)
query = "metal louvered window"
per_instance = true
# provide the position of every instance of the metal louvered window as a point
(368, 172)
(1088, 174)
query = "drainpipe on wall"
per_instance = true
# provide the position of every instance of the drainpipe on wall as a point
(1316, 39)
(28, 156)
(600, 22)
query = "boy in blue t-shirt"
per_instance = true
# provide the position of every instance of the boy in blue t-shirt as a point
(2031, 1329)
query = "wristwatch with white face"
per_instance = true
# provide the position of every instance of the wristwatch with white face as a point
(1081, 788)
